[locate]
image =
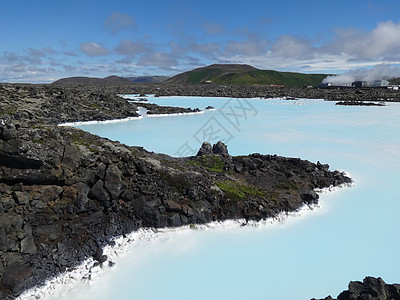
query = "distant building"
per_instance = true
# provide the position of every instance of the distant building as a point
(360, 84)
(375, 83)
(379, 83)
(324, 85)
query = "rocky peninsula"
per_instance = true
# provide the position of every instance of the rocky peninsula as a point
(66, 193)
(370, 288)
(267, 92)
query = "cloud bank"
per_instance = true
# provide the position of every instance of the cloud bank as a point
(366, 55)
(119, 22)
(94, 49)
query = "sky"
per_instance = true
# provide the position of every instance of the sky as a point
(42, 41)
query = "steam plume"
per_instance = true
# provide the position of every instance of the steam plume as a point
(379, 72)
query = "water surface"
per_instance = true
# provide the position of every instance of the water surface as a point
(353, 234)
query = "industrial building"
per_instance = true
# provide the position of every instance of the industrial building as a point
(375, 83)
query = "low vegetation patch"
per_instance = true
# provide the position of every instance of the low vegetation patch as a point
(81, 138)
(212, 163)
(178, 181)
(287, 184)
(238, 191)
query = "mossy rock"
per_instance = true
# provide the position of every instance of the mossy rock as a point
(212, 163)
(238, 191)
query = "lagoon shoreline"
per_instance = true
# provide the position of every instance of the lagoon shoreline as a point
(268, 92)
(66, 193)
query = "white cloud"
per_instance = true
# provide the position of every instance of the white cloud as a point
(177, 48)
(159, 59)
(40, 52)
(10, 57)
(130, 48)
(70, 53)
(68, 68)
(249, 47)
(94, 49)
(213, 28)
(118, 22)
(207, 49)
(350, 49)
(382, 41)
(18, 68)
(291, 47)
(124, 61)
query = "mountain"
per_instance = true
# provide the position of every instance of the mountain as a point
(209, 73)
(116, 80)
(81, 80)
(155, 79)
(232, 74)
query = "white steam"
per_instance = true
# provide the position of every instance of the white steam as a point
(379, 72)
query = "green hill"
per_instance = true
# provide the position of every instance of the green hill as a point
(245, 75)
(81, 80)
(146, 79)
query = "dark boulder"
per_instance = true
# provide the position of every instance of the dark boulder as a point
(220, 148)
(28, 245)
(205, 149)
(113, 181)
(174, 220)
(98, 192)
(16, 275)
(310, 197)
(9, 132)
(77, 195)
(99, 256)
(369, 289)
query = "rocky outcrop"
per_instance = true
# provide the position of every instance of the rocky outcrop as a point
(218, 148)
(205, 149)
(153, 109)
(360, 103)
(267, 92)
(48, 104)
(370, 288)
(65, 193)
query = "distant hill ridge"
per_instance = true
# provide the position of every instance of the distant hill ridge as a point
(82, 80)
(235, 74)
(148, 78)
(228, 74)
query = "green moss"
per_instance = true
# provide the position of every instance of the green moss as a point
(177, 181)
(96, 106)
(212, 163)
(133, 151)
(36, 141)
(238, 191)
(48, 129)
(79, 138)
(287, 184)
(272, 196)
(7, 112)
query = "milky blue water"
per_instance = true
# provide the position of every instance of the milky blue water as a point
(353, 234)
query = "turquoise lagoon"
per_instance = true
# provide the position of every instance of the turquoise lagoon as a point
(354, 232)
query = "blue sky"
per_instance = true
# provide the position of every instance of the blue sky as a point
(41, 41)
